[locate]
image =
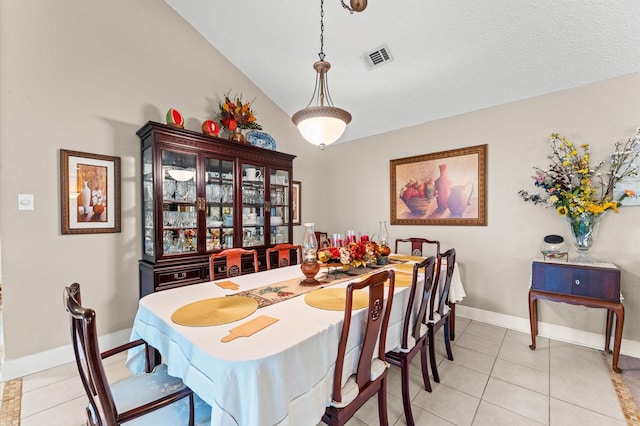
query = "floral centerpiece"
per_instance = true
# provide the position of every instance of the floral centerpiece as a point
(581, 192)
(236, 115)
(354, 254)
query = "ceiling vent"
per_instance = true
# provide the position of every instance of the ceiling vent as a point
(377, 57)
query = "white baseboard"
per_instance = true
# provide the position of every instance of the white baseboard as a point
(20, 367)
(552, 331)
(14, 368)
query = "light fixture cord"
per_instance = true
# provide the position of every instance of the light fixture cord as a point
(321, 54)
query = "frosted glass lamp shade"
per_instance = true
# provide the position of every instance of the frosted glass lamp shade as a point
(321, 125)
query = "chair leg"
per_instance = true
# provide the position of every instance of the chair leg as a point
(406, 396)
(432, 357)
(425, 369)
(447, 341)
(382, 403)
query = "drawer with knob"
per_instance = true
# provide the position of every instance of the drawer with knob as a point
(577, 279)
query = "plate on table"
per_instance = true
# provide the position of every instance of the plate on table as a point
(261, 140)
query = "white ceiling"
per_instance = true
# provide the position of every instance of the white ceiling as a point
(450, 57)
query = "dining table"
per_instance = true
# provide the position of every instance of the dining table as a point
(281, 374)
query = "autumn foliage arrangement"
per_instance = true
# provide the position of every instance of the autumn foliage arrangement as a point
(237, 114)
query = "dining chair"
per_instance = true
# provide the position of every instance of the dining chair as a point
(233, 262)
(440, 312)
(417, 245)
(149, 398)
(284, 254)
(415, 331)
(370, 377)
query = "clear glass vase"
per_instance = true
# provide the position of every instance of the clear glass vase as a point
(583, 229)
(309, 243)
(383, 234)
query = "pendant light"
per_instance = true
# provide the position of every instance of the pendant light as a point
(322, 124)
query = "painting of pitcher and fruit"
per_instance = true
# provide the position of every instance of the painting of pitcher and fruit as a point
(442, 188)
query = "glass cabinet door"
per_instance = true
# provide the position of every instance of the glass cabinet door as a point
(179, 203)
(219, 203)
(279, 212)
(253, 211)
(147, 206)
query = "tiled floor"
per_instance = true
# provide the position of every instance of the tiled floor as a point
(494, 380)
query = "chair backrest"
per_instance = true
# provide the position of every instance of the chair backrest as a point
(233, 261)
(84, 337)
(412, 319)
(284, 254)
(440, 292)
(375, 328)
(417, 245)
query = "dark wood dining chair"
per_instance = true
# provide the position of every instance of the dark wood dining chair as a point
(439, 310)
(415, 331)
(233, 262)
(371, 374)
(417, 245)
(284, 255)
(149, 398)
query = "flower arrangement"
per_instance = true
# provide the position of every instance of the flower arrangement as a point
(575, 188)
(237, 115)
(354, 254)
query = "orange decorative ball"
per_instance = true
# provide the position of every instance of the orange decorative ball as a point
(385, 250)
(210, 127)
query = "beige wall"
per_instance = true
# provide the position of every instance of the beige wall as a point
(85, 76)
(496, 259)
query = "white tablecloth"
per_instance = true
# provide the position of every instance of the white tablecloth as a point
(280, 375)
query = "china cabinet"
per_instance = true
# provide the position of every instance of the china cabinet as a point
(202, 194)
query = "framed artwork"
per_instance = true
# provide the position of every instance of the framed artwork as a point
(90, 192)
(443, 188)
(296, 203)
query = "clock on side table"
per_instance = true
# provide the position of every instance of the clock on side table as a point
(594, 285)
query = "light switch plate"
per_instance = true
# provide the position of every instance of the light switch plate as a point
(25, 201)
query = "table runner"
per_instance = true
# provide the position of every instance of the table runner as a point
(284, 290)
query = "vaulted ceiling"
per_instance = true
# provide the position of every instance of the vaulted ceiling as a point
(448, 57)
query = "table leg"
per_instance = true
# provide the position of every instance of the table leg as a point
(533, 319)
(607, 332)
(619, 310)
(452, 321)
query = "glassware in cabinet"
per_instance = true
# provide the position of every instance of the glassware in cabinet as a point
(179, 203)
(253, 205)
(219, 191)
(147, 202)
(280, 192)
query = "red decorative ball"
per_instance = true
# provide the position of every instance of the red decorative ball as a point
(210, 127)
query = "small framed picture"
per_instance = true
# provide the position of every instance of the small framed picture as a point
(296, 202)
(90, 192)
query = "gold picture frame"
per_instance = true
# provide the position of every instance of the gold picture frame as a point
(442, 188)
(90, 192)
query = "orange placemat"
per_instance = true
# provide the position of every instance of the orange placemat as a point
(228, 285)
(216, 311)
(406, 268)
(334, 299)
(249, 328)
(402, 280)
(406, 258)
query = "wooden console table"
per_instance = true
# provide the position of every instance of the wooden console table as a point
(591, 285)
